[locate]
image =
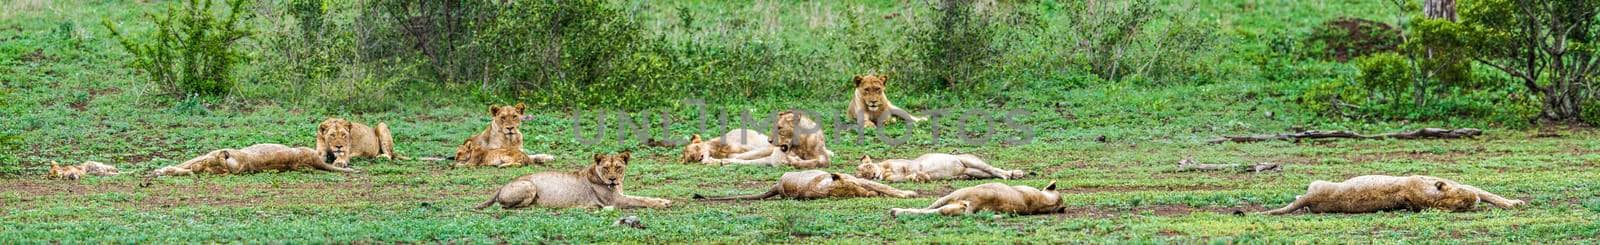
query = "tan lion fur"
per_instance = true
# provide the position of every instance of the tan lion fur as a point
(345, 140)
(596, 186)
(811, 184)
(994, 197)
(869, 107)
(260, 157)
(729, 145)
(74, 172)
(1374, 193)
(500, 144)
(932, 166)
(791, 146)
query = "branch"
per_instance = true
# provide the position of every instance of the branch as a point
(1426, 133)
(1189, 165)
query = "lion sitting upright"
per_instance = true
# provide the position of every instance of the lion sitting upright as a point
(730, 145)
(995, 197)
(797, 141)
(74, 172)
(597, 186)
(500, 144)
(811, 184)
(1373, 193)
(932, 166)
(345, 139)
(255, 158)
(869, 107)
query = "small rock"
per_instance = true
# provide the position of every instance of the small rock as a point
(629, 221)
(1101, 139)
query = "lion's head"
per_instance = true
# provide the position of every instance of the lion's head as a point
(334, 134)
(846, 186)
(1049, 199)
(65, 172)
(1452, 197)
(506, 119)
(783, 130)
(869, 169)
(870, 89)
(607, 170)
(696, 150)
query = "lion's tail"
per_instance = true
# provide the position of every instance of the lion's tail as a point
(770, 193)
(490, 202)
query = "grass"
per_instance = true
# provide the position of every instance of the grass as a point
(75, 101)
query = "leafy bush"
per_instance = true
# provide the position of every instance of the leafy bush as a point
(192, 49)
(958, 45)
(313, 54)
(1122, 39)
(1386, 75)
(1349, 38)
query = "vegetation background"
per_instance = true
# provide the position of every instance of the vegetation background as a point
(144, 84)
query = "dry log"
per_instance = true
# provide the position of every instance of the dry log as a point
(1187, 165)
(1426, 133)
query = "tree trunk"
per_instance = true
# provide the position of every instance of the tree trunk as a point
(1435, 9)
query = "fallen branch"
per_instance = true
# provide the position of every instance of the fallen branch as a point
(1426, 133)
(1187, 165)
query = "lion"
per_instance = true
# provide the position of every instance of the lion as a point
(868, 105)
(813, 184)
(730, 145)
(74, 172)
(259, 157)
(597, 186)
(996, 197)
(345, 139)
(792, 146)
(932, 166)
(500, 144)
(1374, 193)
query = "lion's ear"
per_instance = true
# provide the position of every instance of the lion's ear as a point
(695, 139)
(494, 109)
(625, 156)
(884, 79)
(857, 80)
(226, 155)
(1441, 185)
(521, 107)
(599, 157)
(835, 176)
(1051, 186)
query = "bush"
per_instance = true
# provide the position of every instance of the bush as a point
(959, 44)
(318, 58)
(1349, 38)
(192, 49)
(1136, 39)
(1386, 75)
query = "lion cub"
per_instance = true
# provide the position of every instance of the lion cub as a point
(932, 166)
(870, 107)
(995, 197)
(500, 144)
(75, 172)
(1373, 193)
(730, 145)
(811, 184)
(345, 139)
(796, 141)
(597, 186)
(255, 158)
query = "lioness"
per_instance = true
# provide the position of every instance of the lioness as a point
(868, 105)
(729, 145)
(792, 145)
(995, 197)
(500, 144)
(932, 166)
(1373, 193)
(254, 158)
(597, 186)
(345, 139)
(72, 172)
(811, 184)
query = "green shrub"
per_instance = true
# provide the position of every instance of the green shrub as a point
(192, 49)
(1117, 40)
(317, 59)
(959, 44)
(1347, 38)
(1386, 75)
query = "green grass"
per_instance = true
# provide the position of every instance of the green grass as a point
(75, 100)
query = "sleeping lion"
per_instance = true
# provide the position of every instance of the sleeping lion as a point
(995, 197)
(730, 145)
(812, 184)
(932, 166)
(596, 186)
(255, 158)
(1373, 193)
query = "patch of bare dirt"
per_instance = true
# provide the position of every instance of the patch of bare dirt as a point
(1157, 210)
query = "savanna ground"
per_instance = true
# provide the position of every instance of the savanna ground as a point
(73, 99)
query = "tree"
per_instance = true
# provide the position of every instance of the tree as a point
(1546, 44)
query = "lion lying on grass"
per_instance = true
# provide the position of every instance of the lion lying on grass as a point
(500, 144)
(729, 145)
(255, 158)
(792, 145)
(870, 107)
(995, 197)
(1373, 193)
(932, 166)
(811, 184)
(597, 186)
(74, 172)
(345, 139)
